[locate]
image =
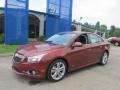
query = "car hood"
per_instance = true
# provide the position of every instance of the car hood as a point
(37, 48)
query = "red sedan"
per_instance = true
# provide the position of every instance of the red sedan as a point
(115, 41)
(60, 54)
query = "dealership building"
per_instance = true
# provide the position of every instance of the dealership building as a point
(37, 24)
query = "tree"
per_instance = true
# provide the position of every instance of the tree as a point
(74, 21)
(74, 28)
(88, 25)
(112, 31)
(97, 26)
(117, 32)
(103, 29)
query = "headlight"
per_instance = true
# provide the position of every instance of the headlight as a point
(35, 58)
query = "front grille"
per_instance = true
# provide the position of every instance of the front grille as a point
(17, 59)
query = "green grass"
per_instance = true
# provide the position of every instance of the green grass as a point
(4, 49)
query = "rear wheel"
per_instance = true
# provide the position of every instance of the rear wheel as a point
(57, 70)
(104, 58)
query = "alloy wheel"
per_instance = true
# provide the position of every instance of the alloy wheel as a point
(57, 70)
(105, 58)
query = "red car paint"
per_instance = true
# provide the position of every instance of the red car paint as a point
(75, 58)
(115, 40)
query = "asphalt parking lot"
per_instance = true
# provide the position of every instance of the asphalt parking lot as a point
(95, 77)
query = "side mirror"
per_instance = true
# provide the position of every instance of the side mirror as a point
(77, 44)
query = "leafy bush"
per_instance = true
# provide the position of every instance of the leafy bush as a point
(1, 38)
(74, 28)
(41, 38)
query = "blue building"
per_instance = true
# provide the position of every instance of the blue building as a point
(36, 23)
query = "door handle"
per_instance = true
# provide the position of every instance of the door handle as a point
(100, 46)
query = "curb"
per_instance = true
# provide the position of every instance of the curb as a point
(6, 55)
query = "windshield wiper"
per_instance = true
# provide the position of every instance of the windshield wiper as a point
(48, 41)
(51, 42)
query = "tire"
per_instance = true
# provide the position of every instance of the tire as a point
(104, 58)
(57, 70)
(116, 44)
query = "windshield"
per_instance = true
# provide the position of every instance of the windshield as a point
(60, 39)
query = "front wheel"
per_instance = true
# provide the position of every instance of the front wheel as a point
(57, 70)
(104, 58)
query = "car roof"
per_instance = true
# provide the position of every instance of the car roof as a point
(75, 32)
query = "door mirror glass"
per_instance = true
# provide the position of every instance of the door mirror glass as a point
(77, 44)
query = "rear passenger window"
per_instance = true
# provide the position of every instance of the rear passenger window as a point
(100, 39)
(94, 38)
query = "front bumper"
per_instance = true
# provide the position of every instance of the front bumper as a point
(21, 69)
(26, 75)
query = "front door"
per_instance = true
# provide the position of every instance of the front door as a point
(81, 56)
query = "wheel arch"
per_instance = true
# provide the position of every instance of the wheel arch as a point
(107, 51)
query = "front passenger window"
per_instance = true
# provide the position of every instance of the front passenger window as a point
(83, 39)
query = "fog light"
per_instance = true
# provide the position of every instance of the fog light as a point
(30, 72)
(33, 73)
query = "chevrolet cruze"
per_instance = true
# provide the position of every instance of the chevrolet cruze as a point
(62, 53)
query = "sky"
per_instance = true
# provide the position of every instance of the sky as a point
(105, 11)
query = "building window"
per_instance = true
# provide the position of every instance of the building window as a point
(34, 23)
(1, 23)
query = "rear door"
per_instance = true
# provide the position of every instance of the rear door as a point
(96, 44)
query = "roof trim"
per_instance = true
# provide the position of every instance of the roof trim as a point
(31, 11)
